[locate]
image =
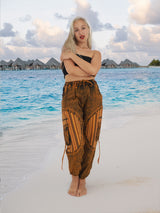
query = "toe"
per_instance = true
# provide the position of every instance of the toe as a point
(73, 193)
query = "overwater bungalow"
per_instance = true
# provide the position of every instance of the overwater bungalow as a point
(18, 64)
(10, 64)
(3, 65)
(128, 64)
(37, 65)
(52, 64)
(107, 63)
(29, 64)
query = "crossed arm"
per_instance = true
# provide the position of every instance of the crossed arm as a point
(84, 68)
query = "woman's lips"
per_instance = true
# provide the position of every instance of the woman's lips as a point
(82, 37)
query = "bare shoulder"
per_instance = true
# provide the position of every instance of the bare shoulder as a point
(64, 50)
(96, 53)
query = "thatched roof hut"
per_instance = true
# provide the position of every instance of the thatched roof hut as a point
(3, 65)
(107, 63)
(37, 64)
(18, 64)
(128, 64)
(10, 63)
(29, 62)
(52, 64)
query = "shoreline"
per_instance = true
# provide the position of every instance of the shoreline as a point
(27, 139)
(127, 170)
(128, 110)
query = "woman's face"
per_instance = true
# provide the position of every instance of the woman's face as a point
(81, 31)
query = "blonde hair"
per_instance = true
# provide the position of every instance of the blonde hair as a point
(70, 43)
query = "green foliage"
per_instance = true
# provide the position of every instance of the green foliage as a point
(154, 62)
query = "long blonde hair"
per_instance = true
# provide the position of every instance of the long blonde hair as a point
(70, 43)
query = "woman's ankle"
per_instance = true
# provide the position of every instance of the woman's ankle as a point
(82, 180)
(75, 178)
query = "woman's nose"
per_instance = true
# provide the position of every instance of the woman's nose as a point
(80, 32)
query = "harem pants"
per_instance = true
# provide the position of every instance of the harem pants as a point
(81, 116)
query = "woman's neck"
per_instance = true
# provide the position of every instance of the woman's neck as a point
(82, 46)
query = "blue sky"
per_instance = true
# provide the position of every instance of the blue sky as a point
(121, 29)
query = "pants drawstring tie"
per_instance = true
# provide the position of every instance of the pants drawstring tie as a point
(63, 156)
(99, 153)
(91, 83)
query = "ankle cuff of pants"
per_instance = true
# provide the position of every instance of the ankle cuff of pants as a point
(74, 161)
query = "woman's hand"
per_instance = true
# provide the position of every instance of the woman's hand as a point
(65, 55)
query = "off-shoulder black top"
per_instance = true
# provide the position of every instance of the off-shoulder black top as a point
(86, 58)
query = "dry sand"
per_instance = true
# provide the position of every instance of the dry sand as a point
(126, 180)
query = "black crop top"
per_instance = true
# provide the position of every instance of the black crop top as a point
(86, 58)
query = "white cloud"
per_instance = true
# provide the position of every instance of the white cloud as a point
(25, 53)
(141, 40)
(44, 41)
(45, 35)
(137, 42)
(7, 30)
(59, 16)
(145, 11)
(121, 34)
(142, 58)
(5, 52)
(17, 41)
(31, 38)
(25, 18)
(84, 9)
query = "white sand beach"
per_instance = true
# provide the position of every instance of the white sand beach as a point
(126, 180)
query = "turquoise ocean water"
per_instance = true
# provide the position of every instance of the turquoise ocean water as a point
(29, 95)
(30, 114)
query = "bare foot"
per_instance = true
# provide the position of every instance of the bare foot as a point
(74, 186)
(82, 188)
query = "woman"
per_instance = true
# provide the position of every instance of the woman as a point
(81, 103)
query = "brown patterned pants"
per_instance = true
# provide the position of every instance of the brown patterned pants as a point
(81, 116)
